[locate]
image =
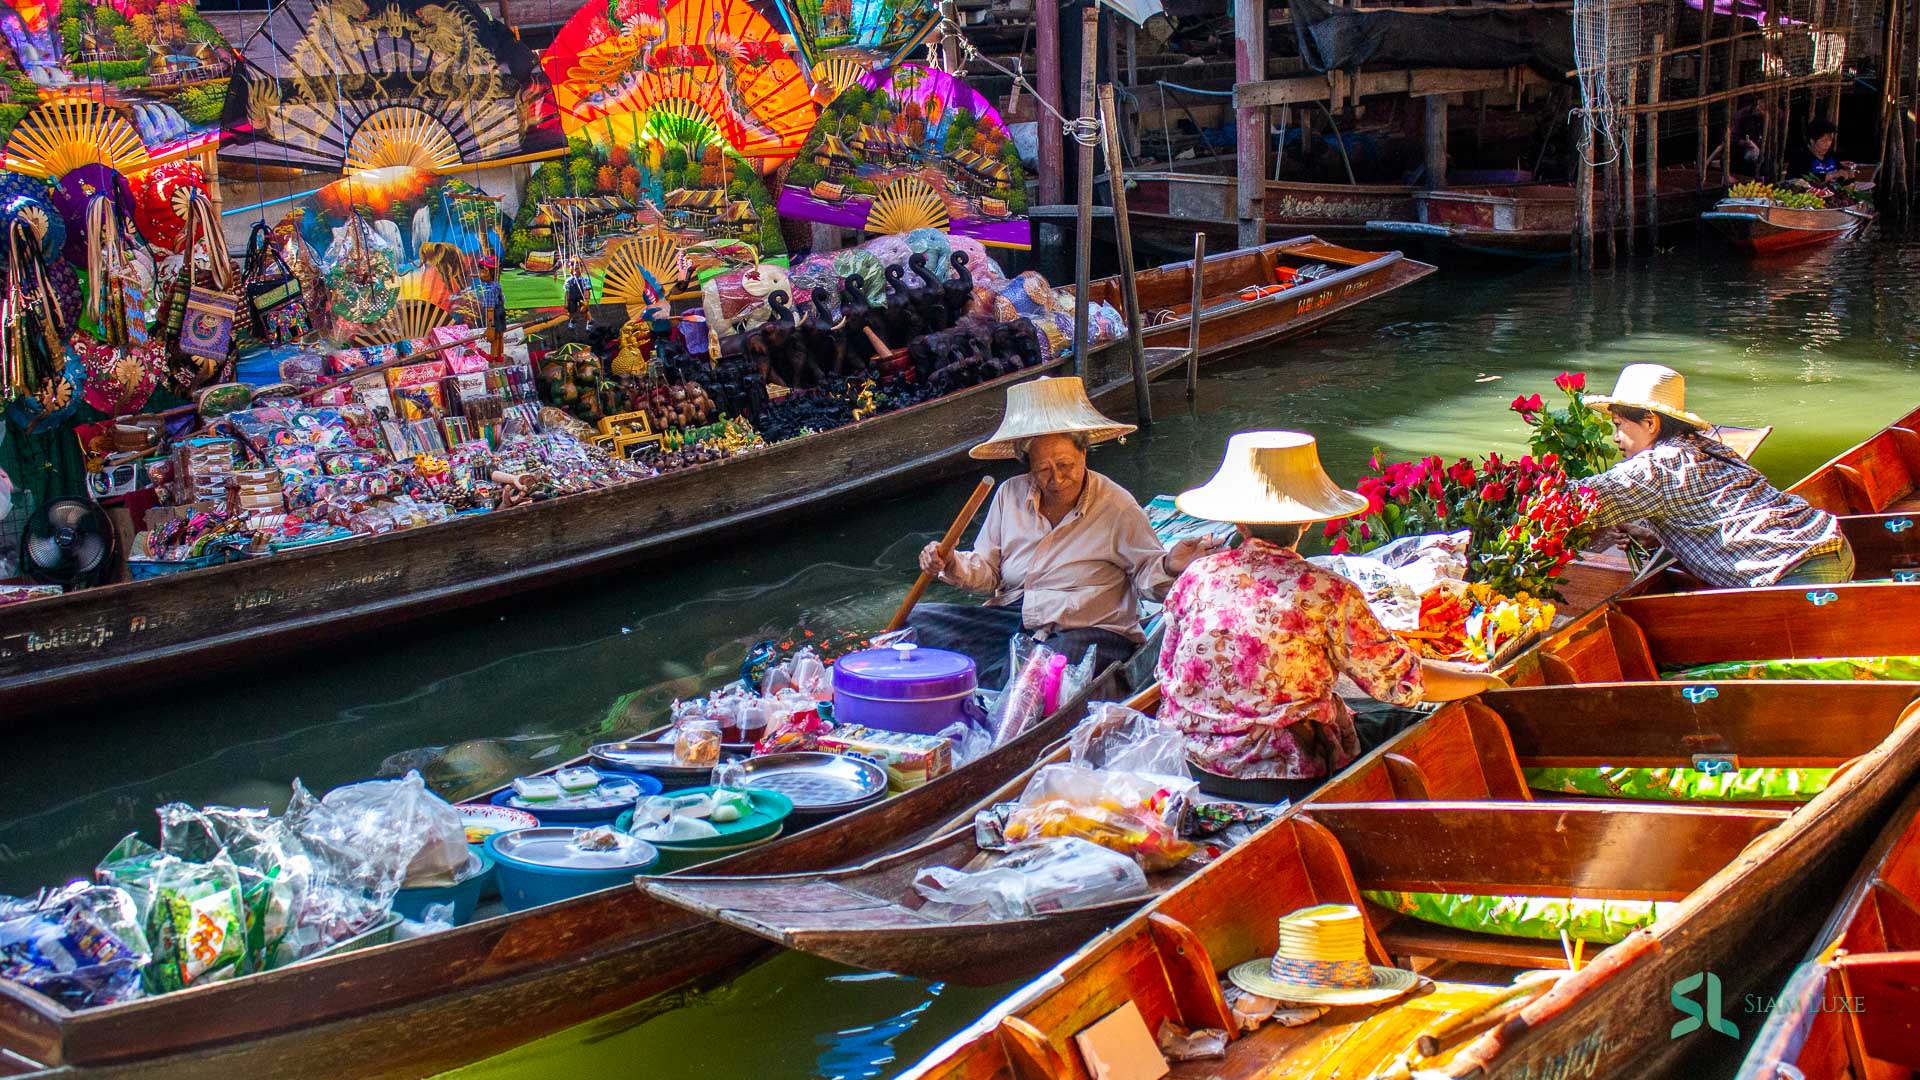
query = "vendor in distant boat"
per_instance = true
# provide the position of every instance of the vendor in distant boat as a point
(1815, 161)
(1257, 637)
(1064, 553)
(1714, 513)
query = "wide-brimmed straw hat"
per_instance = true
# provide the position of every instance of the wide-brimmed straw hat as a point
(1653, 387)
(1047, 406)
(1271, 478)
(1322, 960)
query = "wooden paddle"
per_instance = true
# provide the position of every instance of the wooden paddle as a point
(946, 551)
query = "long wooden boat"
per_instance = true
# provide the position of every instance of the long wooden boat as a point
(1852, 1010)
(1445, 808)
(58, 653)
(1761, 227)
(1534, 221)
(1877, 486)
(1171, 206)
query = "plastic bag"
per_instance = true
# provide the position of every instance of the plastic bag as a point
(196, 926)
(803, 674)
(1024, 700)
(412, 832)
(433, 919)
(1034, 879)
(667, 817)
(1132, 813)
(1127, 740)
(82, 946)
(793, 724)
(970, 741)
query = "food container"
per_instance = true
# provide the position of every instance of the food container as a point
(616, 792)
(678, 855)
(483, 821)
(656, 760)
(463, 894)
(904, 688)
(541, 866)
(770, 810)
(821, 786)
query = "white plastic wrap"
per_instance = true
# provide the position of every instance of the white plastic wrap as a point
(404, 826)
(1034, 879)
(1127, 740)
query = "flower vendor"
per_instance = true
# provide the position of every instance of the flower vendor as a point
(1064, 553)
(1257, 636)
(1714, 513)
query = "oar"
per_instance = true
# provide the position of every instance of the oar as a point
(946, 551)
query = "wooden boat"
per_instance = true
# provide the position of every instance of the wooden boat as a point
(1444, 808)
(1849, 1012)
(60, 652)
(1761, 227)
(1171, 206)
(1877, 486)
(1533, 221)
(418, 1007)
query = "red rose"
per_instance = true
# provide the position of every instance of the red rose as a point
(1571, 382)
(1366, 532)
(1331, 528)
(1339, 545)
(1462, 473)
(1434, 490)
(1493, 491)
(1375, 505)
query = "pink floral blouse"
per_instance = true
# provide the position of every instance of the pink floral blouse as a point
(1255, 639)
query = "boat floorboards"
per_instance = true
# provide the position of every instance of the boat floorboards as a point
(1350, 1041)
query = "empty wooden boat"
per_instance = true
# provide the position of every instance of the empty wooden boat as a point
(1877, 486)
(1763, 227)
(1531, 220)
(1444, 812)
(1852, 1010)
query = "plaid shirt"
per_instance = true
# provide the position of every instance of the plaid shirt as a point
(1714, 513)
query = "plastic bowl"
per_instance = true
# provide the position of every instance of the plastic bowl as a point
(463, 894)
(675, 856)
(770, 810)
(589, 816)
(525, 883)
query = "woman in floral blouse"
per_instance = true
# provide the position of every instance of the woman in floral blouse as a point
(1257, 637)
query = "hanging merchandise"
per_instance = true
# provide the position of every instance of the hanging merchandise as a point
(161, 197)
(75, 192)
(30, 198)
(907, 148)
(357, 85)
(121, 299)
(842, 39)
(360, 275)
(30, 319)
(273, 292)
(206, 331)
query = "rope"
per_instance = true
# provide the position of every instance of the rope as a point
(1084, 130)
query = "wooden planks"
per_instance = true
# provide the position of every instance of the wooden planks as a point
(1778, 623)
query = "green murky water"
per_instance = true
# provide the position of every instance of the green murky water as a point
(1819, 347)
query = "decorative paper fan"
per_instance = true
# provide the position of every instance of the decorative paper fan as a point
(409, 320)
(61, 136)
(834, 74)
(907, 204)
(639, 265)
(718, 61)
(161, 197)
(870, 33)
(401, 136)
(425, 283)
(333, 83)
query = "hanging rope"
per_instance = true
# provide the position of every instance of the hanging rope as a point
(1085, 130)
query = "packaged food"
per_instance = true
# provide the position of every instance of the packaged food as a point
(1050, 875)
(576, 779)
(537, 788)
(82, 946)
(696, 742)
(910, 759)
(1132, 813)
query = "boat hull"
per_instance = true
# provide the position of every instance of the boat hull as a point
(1530, 221)
(63, 651)
(1759, 229)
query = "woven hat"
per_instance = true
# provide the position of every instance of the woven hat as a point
(1654, 387)
(1047, 406)
(1322, 960)
(1271, 478)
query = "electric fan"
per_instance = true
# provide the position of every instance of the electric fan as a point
(68, 542)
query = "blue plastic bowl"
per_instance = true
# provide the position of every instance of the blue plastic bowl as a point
(525, 883)
(586, 818)
(463, 895)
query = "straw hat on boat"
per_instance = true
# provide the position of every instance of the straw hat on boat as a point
(1322, 960)
(1047, 406)
(1271, 478)
(1653, 387)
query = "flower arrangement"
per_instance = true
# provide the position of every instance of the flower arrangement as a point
(1578, 436)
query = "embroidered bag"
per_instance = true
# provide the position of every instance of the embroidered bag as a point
(206, 332)
(273, 292)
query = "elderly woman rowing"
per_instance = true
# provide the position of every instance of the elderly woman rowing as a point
(1065, 554)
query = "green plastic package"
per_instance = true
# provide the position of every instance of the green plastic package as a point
(197, 926)
(1683, 784)
(1544, 917)
(1839, 668)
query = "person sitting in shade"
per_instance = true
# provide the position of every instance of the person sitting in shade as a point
(1715, 514)
(1065, 554)
(1257, 636)
(1816, 162)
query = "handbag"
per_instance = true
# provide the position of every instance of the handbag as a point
(29, 321)
(273, 292)
(206, 329)
(120, 279)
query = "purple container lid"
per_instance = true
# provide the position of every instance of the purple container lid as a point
(904, 673)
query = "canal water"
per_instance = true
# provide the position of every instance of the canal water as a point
(1819, 346)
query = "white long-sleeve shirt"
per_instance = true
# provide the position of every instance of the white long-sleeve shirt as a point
(1088, 571)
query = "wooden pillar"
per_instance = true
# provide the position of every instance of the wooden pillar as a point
(1250, 66)
(1133, 90)
(949, 37)
(1582, 192)
(1436, 131)
(1735, 25)
(1123, 233)
(1704, 114)
(1653, 141)
(1046, 51)
(1629, 220)
(1083, 238)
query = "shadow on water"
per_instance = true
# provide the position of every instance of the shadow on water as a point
(1819, 346)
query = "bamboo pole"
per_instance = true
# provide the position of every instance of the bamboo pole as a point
(1625, 162)
(1250, 121)
(1123, 232)
(947, 544)
(1193, 314)
(1704, 113)
(1052, 155)
(1653, 143)
(1083, 239)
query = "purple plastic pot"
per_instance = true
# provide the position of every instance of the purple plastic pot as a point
(904, 688)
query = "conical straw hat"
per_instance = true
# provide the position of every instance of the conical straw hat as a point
(1047, 406)
(1271, 478)
(1654, 387)
(1322, 960)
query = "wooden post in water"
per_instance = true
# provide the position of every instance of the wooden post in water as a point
(1703, 114)
(1582, 191)
(1193, 315)
(1250, 121)
(1625, 161)
(1123, 233)
(1083, 238)
(1046, 51)
(1436, 139)
(1653, 142)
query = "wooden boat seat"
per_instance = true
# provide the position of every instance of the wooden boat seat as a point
(1878, 476)
(1461, 752)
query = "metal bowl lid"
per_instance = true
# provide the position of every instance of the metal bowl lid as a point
(650, 757)
(905, 672)
(553, 847)
(815, 781)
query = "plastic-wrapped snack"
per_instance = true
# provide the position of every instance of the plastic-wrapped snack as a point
(197, 926)
(82, 945)
(1034, 879)
(1132, 813)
